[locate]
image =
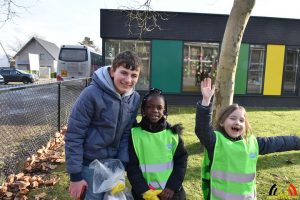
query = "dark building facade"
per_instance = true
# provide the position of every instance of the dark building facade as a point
(189, 43)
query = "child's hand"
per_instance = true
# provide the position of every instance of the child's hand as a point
(76, 188)
(207, 90)
(167, 194)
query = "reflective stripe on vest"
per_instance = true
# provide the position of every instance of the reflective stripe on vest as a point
(156, 167)
(155, 152)
(240, 178)
(225, 195)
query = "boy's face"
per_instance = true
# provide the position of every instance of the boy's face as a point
(124, 79)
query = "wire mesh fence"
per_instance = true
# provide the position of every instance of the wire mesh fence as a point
(29, 116)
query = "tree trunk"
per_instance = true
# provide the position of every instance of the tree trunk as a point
(236, 24)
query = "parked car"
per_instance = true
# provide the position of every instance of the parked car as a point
(1, 79)
(16, 75)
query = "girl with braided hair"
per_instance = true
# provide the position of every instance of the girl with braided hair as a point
(158, 158)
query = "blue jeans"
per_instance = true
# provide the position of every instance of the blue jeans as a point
(87, 175)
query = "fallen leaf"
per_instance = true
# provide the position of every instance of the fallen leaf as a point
(7, 198)
(19, 175)
(25, 178)
(21, 197)
(28, 169)
(57, 135)
(62, 160)
(22, 184)
(52, 181)
(34, 184)
(32, 159)
(24, 191)
(3, 188)
(40, 152)
(32, 179)
(10, 179)
(48, 146)
(8, 194)
(40, 179)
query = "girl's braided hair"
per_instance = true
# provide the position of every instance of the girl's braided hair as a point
(154, 92)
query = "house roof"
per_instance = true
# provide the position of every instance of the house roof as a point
(50, 47)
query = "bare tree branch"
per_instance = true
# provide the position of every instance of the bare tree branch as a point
(15, 46)
(8, 10)
(143, 19)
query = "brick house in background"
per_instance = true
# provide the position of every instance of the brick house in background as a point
(47, 53)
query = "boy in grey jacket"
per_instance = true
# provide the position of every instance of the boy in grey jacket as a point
(100, 121)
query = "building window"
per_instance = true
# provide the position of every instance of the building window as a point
(256, 69)
(290, 72)
(142, 48)
(198, 57)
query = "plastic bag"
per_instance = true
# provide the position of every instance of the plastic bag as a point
(107, 174)
(124, 195)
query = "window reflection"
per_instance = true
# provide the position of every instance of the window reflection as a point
(256, 69)
(142, 48)
(198, 57)
(290, 71)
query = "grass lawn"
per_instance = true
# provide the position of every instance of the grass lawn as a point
(277, 168)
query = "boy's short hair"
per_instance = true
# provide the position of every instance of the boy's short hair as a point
(127, 59)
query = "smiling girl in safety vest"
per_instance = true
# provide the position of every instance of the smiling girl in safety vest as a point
(158, 158)
(230, 157)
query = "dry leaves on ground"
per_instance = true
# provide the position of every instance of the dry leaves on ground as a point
(36, 171)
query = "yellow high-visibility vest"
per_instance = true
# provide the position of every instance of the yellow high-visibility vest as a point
(233, 169)
(155, 152)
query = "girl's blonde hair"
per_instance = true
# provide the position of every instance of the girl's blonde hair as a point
(225, 114)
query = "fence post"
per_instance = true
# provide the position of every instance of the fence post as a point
(58, 107)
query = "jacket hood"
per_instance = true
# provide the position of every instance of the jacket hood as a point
(161, 125)
(102, 79)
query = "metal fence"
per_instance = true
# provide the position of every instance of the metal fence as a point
(29, 116)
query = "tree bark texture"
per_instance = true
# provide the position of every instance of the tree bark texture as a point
(235, 27)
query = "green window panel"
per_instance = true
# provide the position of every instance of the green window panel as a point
(241, 73)
(166, 65)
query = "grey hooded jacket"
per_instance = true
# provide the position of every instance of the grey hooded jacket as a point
(99, 124)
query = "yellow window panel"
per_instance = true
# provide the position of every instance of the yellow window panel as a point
(274, 69)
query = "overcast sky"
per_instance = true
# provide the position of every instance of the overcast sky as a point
(69, 21)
